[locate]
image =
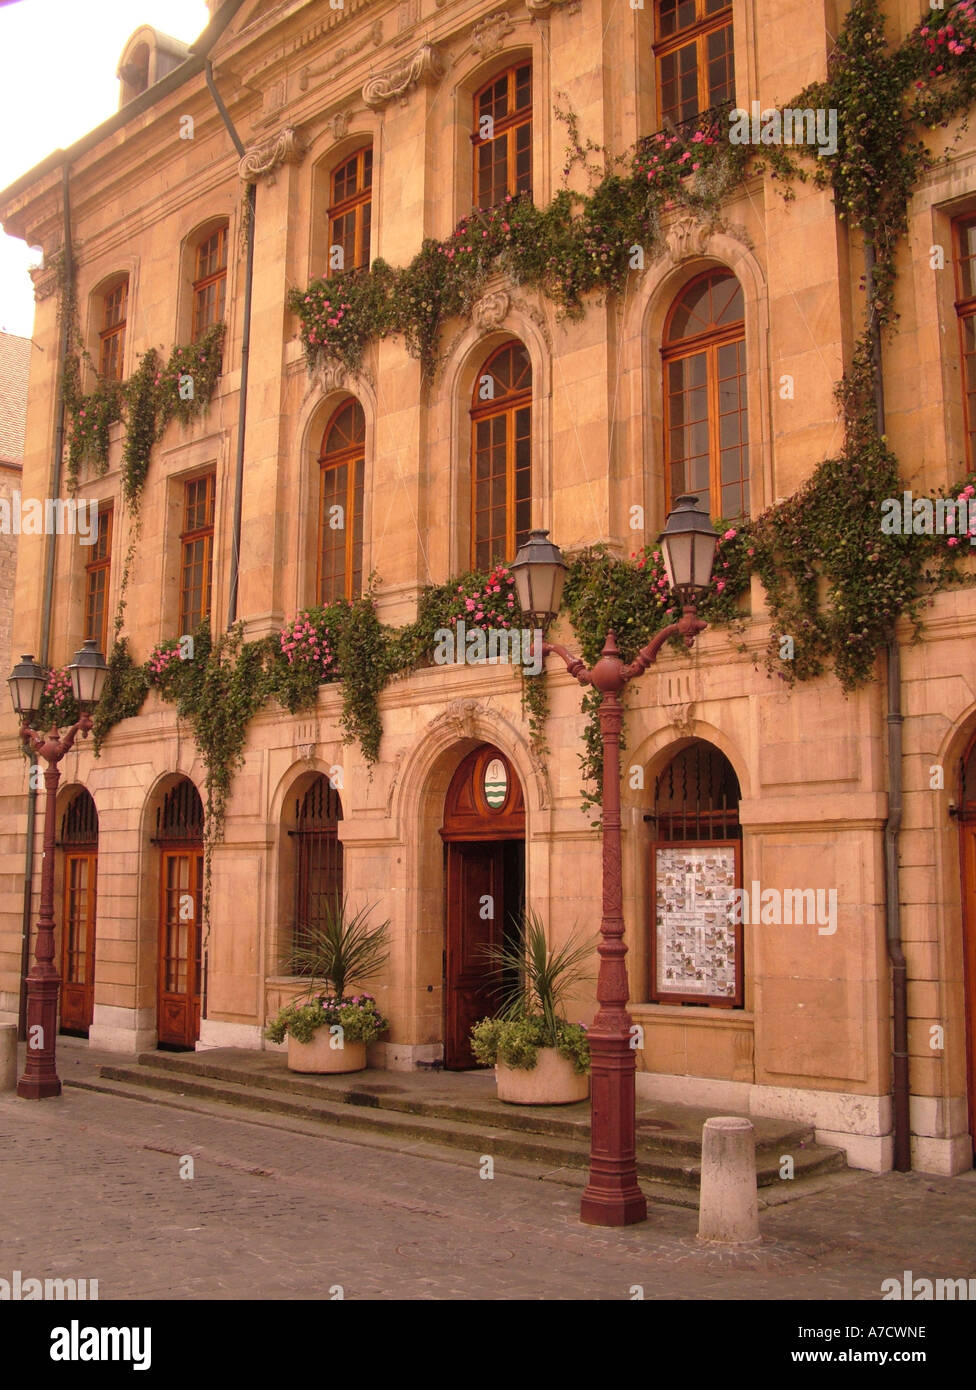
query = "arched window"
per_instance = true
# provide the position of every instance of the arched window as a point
(341, 465)
(696, 866)
(501, 456)
(502, 137)
(694, 57)
(79, 843)
(209, 281)
(966, 309)
(112, 311)
(706, 428)
(318, 864)
(350, 206)
(179, 835)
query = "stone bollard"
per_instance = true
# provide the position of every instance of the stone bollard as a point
(8, 1056)
(728, 1208)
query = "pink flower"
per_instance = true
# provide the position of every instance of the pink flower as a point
(720, 585)
(730, 534)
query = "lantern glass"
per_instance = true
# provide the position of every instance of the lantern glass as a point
(27, 681)
(688, 545)
(540, 573)
(88, 672)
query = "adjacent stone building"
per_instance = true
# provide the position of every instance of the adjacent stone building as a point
(15, 355)
(361, 128)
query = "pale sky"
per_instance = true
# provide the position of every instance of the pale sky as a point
(57, 81)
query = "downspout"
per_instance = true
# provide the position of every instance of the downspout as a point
(901, 1119)
(241, 418)
(54, 490)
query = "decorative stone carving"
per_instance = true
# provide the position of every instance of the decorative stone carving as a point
(542, 7)
(263, 159)
(681, 718)
(306, 751)
(408, 14)
(489, 34)
(340, 124)
(462, 716)
(373, 35)
(537, 316)
(426, 66)
(45, 281)
(686, 238)
(330, 375)
(489, 312)
(398, 762)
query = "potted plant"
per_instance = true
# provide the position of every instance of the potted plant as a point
(328, 1031)
(539, 1057)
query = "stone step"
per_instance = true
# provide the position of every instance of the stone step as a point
(471, 1127)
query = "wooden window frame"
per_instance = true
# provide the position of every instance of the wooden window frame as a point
(503, 129)
(188, 537)
(507, 405)
(357, 203)
(353, 455)
(112, 333)
(709, 342)
(697, 34)
(101, 564)
(202, 283)
(965, 306)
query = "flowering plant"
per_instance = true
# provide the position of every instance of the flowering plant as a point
(485, 600)
(58, 704)
(358, 1017)
(161, 663)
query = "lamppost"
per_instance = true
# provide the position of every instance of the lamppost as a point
(612, 1196)
(26, 681)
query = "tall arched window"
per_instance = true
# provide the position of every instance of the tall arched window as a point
(318, 886)
(113, 309)
(966, 309)
(694, 53)
(696, 866)
(501, 456)
(502, 137)
(350, 208)
(79, 843)
(341, 465)
(209, 281)
(706, 427)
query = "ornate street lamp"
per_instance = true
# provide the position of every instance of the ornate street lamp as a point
(26, 681)
(612, 1196)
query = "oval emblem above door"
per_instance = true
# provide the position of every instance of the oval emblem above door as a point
(496, 783)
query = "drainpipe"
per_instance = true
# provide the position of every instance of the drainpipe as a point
(245, 352)
(235, 553)
(901, 1121)
(54, 489)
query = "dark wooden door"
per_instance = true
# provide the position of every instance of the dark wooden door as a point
(475, 921)
(968, 831)
(179, 947)
(78, 938)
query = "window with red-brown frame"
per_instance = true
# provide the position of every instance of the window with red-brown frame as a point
(342, 462)
(97, 574)
(706, 423)
(196, 562)
(694, 57)
(111, 346)
(350, 213)
(209, 282)
(502, 137)
(965, 255)
(501, 456)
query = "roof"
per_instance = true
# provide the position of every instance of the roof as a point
(15, 355)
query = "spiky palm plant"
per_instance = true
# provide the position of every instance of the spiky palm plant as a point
(543, 977)
(341, 948)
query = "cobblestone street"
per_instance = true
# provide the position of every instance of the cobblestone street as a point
(91, 1188)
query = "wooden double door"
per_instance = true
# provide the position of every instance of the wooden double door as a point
(78, 941)
(181, 899)
(484, 888)
(967, 830)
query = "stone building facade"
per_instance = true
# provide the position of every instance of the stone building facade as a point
(796, 779)
(15, 355)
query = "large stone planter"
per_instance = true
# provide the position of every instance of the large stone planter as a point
(319, 1056)
(552, 1081)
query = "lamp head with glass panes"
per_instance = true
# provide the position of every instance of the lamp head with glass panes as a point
(540, 573)
(688, 543)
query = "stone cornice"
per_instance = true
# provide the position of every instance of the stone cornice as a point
(426, 65)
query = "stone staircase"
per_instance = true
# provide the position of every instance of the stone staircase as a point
(459, 1111)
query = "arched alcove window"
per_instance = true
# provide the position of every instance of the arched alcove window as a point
(111, 312)
(502, 137)
(501, 456)
(706, 426)
(318, 860)
(342, 461)
(694, 57)
(965, 248)
(79, 845)
(179, 835)
(696, 866)
(350, 212)
(209, 280)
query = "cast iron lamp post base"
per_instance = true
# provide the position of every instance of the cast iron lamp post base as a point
(40, 1078)
(612, 1196)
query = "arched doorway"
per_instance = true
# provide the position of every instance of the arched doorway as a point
(484, 861)
(696, 865)
(179, 836)
(79, 845)
(967, 849)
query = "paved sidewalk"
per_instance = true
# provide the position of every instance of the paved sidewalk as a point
(90, 1187)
